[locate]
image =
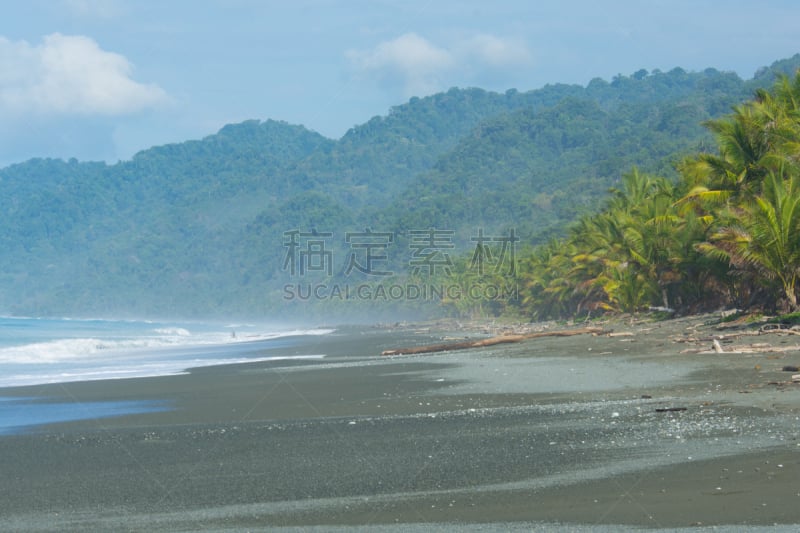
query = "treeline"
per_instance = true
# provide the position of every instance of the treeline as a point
(199, 228)
(725, 233)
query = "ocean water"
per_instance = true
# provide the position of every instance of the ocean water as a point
(17, 415)
(37, 351)
(46, 350)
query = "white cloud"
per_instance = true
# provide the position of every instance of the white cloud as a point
(421, 67)
(410, 60)
(496, 52)
(70, 74)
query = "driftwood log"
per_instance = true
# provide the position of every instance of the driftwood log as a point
(491, 341)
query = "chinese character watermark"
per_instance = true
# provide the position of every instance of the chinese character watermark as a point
(427, 250)
(429, 253)
(373, 245)
(307, 252)
(484, 254)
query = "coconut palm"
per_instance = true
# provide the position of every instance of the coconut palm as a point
(759, 137)
(767, 239)
(729, 231)
(546, 291)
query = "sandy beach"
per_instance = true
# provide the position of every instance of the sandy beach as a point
(639, 428)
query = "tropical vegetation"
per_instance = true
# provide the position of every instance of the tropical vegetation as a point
(725, 233)
(205, 227)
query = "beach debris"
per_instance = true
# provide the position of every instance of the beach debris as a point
(661, 309)
(781, 385)
(729, 312)
(719, 337)
(717, 346)
(790, 368)
(759, 347)
(491, 341)
(773, 327)
(620, 334)
(782, 329)
(669, 409)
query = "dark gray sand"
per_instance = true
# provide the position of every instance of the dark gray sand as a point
(588, 433)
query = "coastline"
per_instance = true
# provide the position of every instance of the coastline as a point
(575, 430)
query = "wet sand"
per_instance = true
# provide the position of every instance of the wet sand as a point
(579, 433)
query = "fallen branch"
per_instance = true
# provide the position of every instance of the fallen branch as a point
(753, 348)
(491, 341)
(736, 336)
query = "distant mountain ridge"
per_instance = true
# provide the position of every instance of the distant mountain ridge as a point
(196, 228)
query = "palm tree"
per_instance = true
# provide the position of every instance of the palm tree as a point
(648, 251)
(767, 240)
(760, 136)
(731, 193)
(547, 293)
(730, 228)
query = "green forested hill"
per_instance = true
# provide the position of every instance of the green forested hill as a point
(538, 170)
(197, 228)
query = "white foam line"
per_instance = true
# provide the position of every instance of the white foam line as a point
(84, 349)
(155, 369)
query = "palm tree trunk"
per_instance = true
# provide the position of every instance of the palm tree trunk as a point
(788, 288)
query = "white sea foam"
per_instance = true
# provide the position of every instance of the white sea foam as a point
(36, 351)
(87, 348)
(138, 370)
(173, 331)
(71, 349)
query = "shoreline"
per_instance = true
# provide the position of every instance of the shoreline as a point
(575, 430)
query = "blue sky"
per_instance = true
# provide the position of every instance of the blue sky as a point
(103, 79)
